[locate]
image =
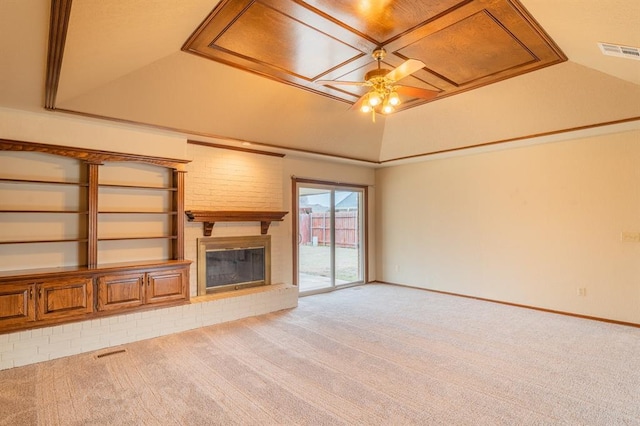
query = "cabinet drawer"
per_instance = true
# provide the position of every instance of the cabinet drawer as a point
(166, 286)
(65, 298)
(120, 291)
(17, 304)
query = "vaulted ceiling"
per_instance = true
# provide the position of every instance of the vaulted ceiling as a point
(498, 67)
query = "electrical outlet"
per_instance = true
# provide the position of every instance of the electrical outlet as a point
(630, 237)
(582, 291)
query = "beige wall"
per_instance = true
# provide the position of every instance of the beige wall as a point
(527, 225)
(62, 129)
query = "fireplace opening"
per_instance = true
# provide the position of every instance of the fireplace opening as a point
(232, 263)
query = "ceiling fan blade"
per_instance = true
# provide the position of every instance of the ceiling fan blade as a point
(416, 92)
(357, 104)
(405, 69)
(341, 83)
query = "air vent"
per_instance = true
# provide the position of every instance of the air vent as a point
(620, 51)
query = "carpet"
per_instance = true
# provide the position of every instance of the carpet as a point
(369, 355)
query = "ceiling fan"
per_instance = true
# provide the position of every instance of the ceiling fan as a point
(383, 96)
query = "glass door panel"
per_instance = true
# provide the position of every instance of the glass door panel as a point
(348, 238)
(330, 249)
(315, 238)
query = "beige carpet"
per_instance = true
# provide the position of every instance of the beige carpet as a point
(371, 355)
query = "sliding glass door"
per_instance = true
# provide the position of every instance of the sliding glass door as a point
(330, 248)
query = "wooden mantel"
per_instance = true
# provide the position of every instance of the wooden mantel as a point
(210, 217)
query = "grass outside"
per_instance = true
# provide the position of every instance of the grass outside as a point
(317, 261)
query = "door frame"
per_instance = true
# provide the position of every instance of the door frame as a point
(295, 183)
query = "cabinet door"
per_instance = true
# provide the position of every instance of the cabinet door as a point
(65, 298)
(120, 291)
(166, 286)
(17, 304)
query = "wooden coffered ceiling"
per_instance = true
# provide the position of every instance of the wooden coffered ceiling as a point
(464, 44)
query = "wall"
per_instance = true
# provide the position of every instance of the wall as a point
(528, 225)
(61, 129)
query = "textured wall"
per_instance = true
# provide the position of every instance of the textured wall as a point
(528, 225)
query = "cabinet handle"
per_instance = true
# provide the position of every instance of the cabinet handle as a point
(31, 293)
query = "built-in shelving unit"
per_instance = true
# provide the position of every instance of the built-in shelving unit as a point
(99, 232)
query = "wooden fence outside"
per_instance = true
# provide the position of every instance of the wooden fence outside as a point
(315, 228)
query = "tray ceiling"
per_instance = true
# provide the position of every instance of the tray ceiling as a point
(464, 44)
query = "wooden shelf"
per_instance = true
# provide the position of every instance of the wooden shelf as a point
(139, 212)
(161, 237)
(210, 217)
(141, 187)
(70, 240)
(45, 182)
(46, 211)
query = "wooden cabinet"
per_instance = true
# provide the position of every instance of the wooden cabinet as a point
(45, 298)
(17, 304)
(89, 221)
(25, 303)
(166, 286)
(64, 298)
(120, 291)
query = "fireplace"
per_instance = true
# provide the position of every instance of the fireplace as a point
(233, 263)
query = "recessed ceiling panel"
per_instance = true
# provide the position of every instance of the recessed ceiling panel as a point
(470, 49)
(463, 44)
(271, 37)
(382, 20)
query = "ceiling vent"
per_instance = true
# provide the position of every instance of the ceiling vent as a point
(620, 51)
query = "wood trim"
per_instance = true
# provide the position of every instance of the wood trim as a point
(36, 274)
(526, 16)
(365, 234)
(327, 182)
(178, 207)
(235, 148)
(345, 157)
(90, 155)
(517, 305)
(92, 221)
(212, 135)
(58, 25)
(294, 229)
(210, 217)
(518, 138)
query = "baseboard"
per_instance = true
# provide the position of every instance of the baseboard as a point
(610, 321)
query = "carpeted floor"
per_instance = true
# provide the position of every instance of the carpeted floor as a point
(370, 355)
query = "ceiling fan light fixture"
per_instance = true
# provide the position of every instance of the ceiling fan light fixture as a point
(387, 108)
(374, 98)
(365, 107)
(394, 99)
